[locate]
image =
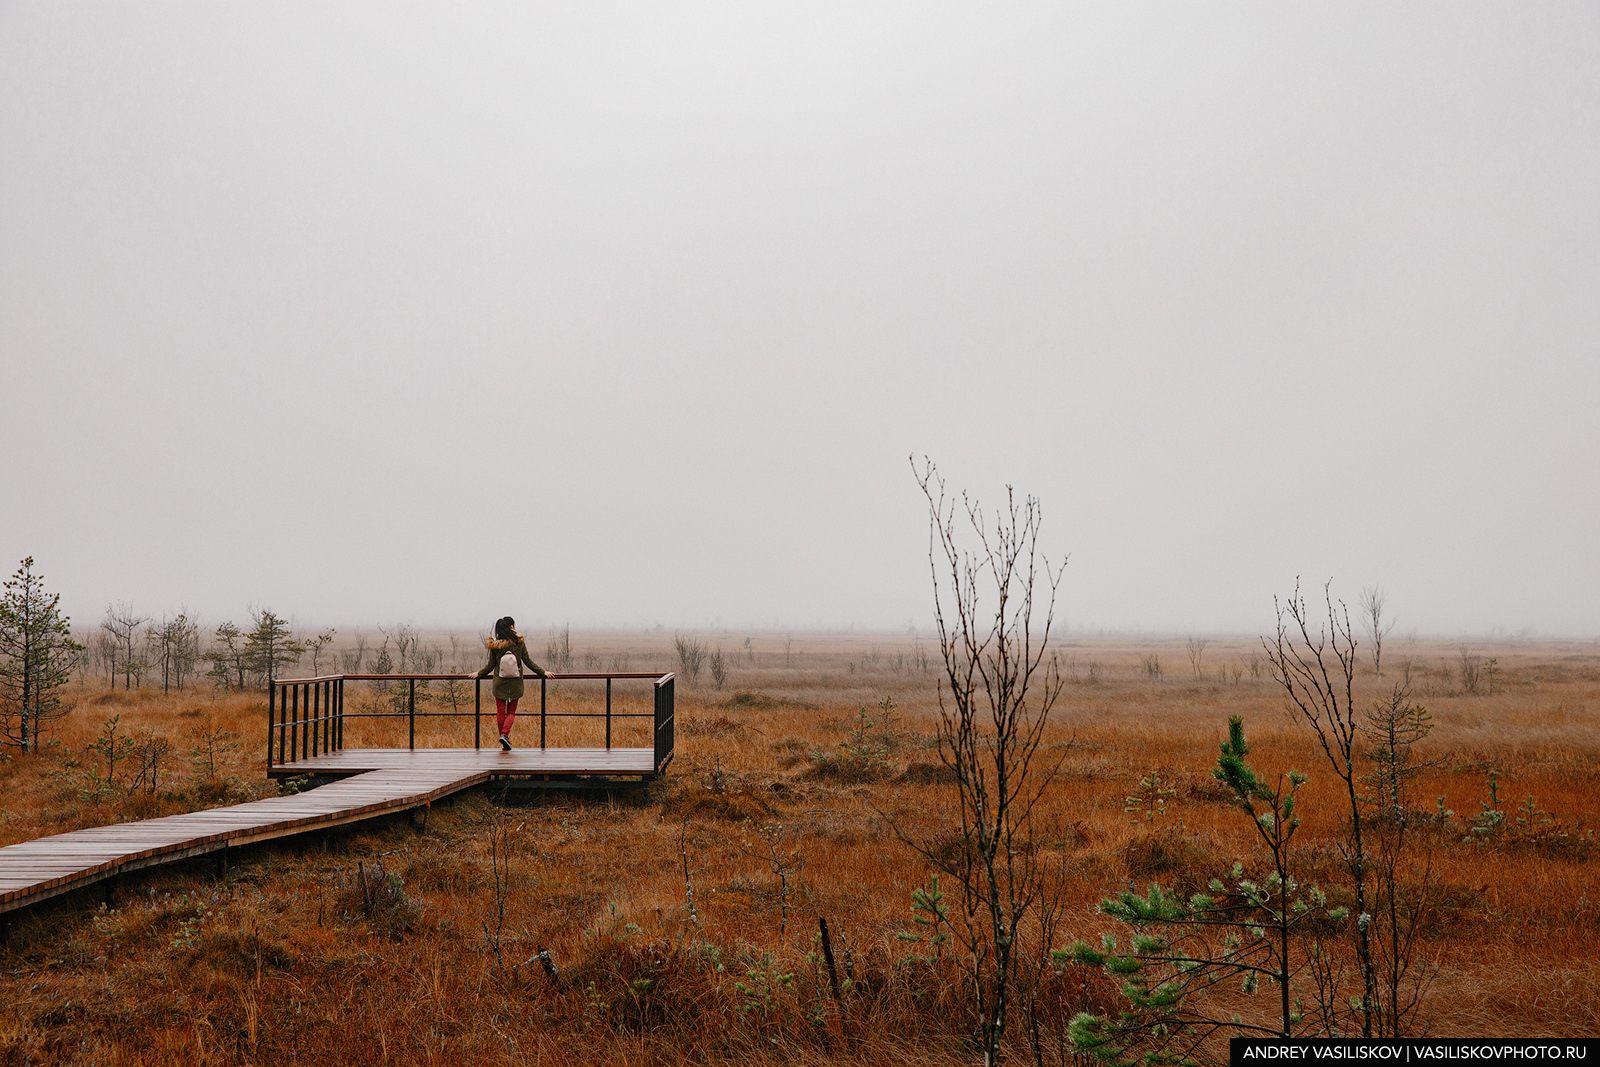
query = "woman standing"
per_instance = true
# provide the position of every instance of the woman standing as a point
(507, 653)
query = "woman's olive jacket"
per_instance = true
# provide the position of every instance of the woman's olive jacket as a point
(508, 688)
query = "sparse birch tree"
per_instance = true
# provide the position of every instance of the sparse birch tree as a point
(353, 660)
(123, 626)
(558, 649)
(104, 651)
(990, 585)
(227, 657)
(1376, 623)
(1317, 673)
(176, 644)
(188, 654)
(406, 642)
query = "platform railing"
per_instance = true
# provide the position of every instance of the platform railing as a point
(306, 716)
(665, 721)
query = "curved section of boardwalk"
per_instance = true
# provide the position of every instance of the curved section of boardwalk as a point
(47, 866)
(373, 781)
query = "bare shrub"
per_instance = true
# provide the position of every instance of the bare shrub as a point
(691, 656)
(558, 649)
(1376, 623)
(995, 694)
(1317, 675)
(378, 896)
(1471, 672)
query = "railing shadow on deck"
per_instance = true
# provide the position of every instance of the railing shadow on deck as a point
(306, 716)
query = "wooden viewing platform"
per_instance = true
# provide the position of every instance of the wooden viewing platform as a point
(304, 717)
(518, 763)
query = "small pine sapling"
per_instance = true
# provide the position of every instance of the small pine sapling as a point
(1149, 800)
(762, 990)
(1488, 821)
(931, 916)
(1533, 822)
(108, 749)
(864, 755)
(210, 748)
(1242, 929)
(1392, 727)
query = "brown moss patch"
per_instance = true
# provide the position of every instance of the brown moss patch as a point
(1170, 857)
(762, 702)
(927, 774)
(734, 805)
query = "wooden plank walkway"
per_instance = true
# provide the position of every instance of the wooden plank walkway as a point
(47, 866)
(381, 782)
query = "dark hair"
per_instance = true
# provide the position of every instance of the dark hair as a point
(506, 629)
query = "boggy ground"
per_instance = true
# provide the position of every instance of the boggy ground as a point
(682, 926)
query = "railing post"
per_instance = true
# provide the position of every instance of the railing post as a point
(314, 702)
(272, 696)
(294, 723)
(411, 705)
(608, 713)
(664, 720)
(542, 680)
(477, 712)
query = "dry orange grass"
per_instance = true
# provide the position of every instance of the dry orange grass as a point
(303, 952)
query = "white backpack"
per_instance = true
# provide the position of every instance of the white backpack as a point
(509, 667)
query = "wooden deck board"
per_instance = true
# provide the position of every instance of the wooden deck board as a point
(382, 781)
(519, 761)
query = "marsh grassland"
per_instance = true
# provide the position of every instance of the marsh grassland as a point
(682, 925)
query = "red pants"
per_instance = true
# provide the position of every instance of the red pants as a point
(505, 713)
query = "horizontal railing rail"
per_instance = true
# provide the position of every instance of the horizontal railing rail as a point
(306, 716)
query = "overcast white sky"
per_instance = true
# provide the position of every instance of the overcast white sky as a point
(631, 313)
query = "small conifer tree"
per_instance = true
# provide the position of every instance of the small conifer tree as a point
(227, 656)
(1242, 929)
(269, 645)
(37, 654)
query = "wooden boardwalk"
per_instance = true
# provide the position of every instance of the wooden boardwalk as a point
(381, 782)
(305, 737)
